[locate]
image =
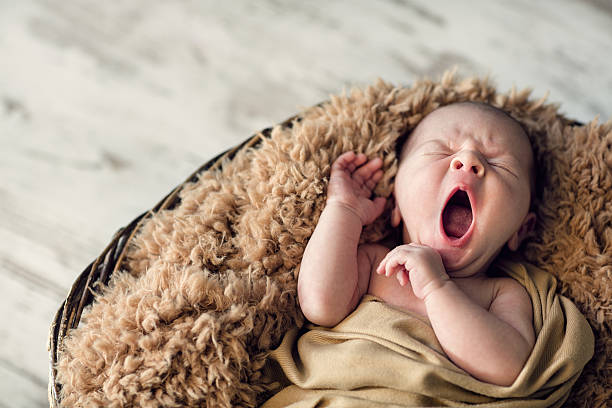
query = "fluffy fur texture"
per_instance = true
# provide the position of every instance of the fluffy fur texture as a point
(210, 286)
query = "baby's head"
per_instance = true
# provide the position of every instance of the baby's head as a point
(464, 185)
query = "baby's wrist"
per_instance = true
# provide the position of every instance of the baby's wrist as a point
(435, 287)
(346, 209)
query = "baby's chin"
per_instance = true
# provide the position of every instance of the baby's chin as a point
(460, 264)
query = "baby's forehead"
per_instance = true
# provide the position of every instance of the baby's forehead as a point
(465, 113)
(456, 121)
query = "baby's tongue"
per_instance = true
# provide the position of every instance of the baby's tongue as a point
(457, 220)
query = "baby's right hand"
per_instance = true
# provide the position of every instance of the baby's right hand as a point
(351, 182)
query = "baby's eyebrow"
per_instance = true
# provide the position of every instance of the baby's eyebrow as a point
(493, 146)
(439, 142)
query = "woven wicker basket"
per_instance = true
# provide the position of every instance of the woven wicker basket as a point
(110, 260)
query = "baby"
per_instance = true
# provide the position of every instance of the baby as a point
(462, 192)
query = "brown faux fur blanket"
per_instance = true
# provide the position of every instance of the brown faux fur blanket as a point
(210, 286)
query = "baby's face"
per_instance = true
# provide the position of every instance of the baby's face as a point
(463, 186)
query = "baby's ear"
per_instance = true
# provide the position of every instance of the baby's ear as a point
(523, 232)
(396, 216)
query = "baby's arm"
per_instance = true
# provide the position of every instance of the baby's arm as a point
(492, 345)
(335, 271)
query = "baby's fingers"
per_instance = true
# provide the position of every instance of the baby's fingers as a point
(402, 277)
(349, 161)
(369, 174)
(390, 265)
(382, 266)
(379, 206)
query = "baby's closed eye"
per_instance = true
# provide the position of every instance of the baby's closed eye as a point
(503, 165)
(441, 154)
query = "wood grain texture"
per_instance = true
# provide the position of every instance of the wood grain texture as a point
(106, 106)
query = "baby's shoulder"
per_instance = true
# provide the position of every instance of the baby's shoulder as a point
(512, 304)
(494, 292)
(374, 251)
(509, 294)
(505, 285)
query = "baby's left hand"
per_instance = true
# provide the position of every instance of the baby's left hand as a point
(418, 264)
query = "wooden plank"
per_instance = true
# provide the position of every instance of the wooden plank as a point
(20, 389)
(28, 307)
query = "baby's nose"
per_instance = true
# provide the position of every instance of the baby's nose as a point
(468, 161)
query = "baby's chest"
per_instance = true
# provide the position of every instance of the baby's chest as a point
(389, 290)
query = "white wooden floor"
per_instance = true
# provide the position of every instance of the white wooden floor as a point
(106, 106)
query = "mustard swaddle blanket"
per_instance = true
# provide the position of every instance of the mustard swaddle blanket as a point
(382, 356)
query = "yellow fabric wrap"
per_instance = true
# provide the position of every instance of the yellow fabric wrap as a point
(382, 356)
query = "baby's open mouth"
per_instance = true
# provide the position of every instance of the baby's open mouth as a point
(457, 215)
